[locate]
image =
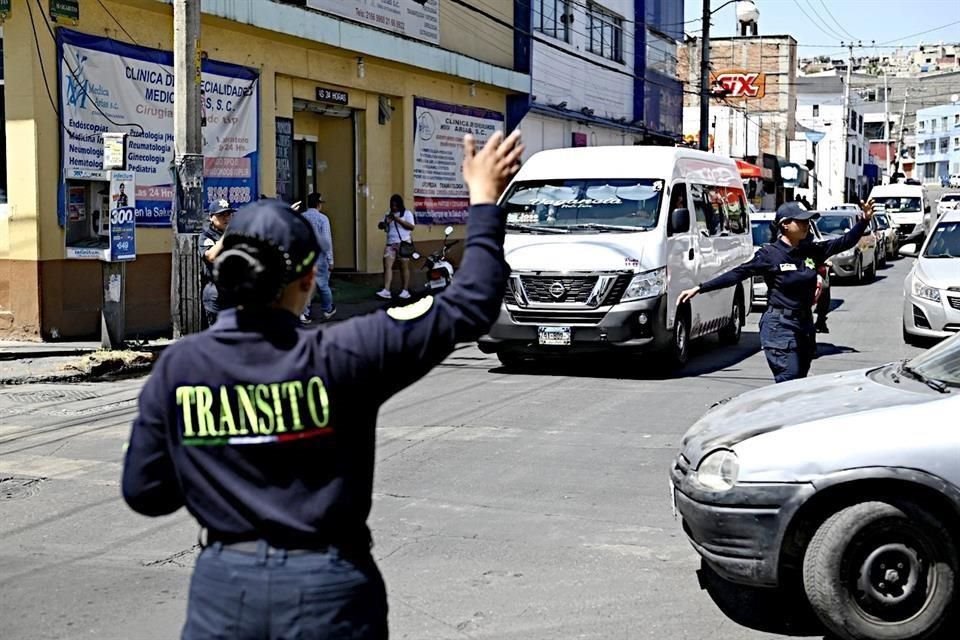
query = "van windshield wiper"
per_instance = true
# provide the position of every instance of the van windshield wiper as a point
(936, 385)
(606, 227)
(531, 228)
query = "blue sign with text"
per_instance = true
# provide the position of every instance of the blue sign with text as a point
(123, 234)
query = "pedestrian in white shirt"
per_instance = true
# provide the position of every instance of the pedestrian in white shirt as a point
(398, 224)
(321, 226)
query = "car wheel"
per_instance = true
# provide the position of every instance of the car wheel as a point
(910, 339)
(731, 332)
(511, 359)
(876, 571)
(858, 271)
(679, 351)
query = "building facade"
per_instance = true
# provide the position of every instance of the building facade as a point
(352, 98)
(938, 143)
(603, 73)
(842, 153)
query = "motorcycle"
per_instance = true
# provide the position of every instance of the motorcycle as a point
(438, 267)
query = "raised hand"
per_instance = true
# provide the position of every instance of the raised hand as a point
(869, 208)
(488, 171)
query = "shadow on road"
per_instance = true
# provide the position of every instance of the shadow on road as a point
(830, 349)
(706, 356)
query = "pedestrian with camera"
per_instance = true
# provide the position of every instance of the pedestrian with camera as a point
(398, 224)
(266, 431)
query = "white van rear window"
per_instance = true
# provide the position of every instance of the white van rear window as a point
(583, 206)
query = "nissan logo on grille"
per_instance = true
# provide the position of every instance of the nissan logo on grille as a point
(557, 290)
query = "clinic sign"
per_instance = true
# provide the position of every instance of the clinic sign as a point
(742, 84)
(439, 193)
(107, 86)
(411, 18)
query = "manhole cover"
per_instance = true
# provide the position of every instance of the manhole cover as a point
(50, 395)
(13, 487)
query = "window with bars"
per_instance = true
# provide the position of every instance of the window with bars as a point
(552, 18)
(606, 33)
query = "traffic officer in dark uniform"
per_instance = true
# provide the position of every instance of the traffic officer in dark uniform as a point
(211, 244)
(265, 432)
(789, 267)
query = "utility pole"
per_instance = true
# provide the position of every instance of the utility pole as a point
(903, 124)
(886, 120)
(705, 79)
(185, 304)
(846, 123)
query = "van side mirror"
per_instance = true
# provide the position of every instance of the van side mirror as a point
(679, 221)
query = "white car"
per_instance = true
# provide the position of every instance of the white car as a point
(955, 181)
(849, 206)
(947, 202)
(931, 291)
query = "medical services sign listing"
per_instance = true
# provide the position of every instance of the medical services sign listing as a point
(111, 86)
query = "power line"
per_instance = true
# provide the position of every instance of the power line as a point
(837, 22)
(814, 22)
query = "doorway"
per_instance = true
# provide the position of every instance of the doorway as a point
(304, 168)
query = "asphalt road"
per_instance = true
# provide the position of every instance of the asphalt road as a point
(507, 506)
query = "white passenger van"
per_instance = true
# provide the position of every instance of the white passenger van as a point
(907, 207)
(601, 241)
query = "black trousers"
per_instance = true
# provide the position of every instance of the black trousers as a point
(269, 594)
(789, 342)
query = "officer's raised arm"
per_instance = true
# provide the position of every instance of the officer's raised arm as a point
(404, 343)
(850, 238)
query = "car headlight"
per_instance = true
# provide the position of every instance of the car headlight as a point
(718, 471)
(648, 284)
(849, 253)
(922, 290)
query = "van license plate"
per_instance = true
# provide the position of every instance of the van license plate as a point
(555, 336)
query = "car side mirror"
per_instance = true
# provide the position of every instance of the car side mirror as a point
(926, 209)
(679, 221)
(909, 250)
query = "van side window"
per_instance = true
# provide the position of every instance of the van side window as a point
(678, 197)
(735, 210)
(708, 202)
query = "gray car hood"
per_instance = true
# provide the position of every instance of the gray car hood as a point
(779, 406)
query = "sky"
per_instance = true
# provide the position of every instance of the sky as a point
(820, 25)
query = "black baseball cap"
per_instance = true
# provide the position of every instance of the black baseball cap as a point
(793, 211)
(220, 206)
(267, 246)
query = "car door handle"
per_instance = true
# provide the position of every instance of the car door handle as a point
(690, 254)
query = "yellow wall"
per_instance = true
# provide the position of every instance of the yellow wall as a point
(289, 68)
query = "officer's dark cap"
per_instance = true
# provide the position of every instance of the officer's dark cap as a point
(277, 244)
(793, 211)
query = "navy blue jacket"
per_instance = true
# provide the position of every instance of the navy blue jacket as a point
(790, 272)
(266, 430)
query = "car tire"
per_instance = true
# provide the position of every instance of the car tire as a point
(678, 353)
(511, 359)
(910, 339)
(912, 599)
(858, 270)
(731, 332)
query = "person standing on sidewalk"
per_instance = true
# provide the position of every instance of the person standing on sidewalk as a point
(266, 432)
(321, 226)
(789, 266)
(399, 224)
(211, 244)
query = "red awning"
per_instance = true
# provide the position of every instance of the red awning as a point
(748, 170)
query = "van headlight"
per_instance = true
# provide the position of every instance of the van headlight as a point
(649, 284)
(718, 471)
(922, 290)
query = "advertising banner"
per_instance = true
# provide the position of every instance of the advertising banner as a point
(110, 86)
(122, 220)
(420, 20)
(440, 196)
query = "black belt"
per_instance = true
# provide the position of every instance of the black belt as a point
(252, 545)
(792, 313)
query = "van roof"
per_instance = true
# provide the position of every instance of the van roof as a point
(621, 162)
(896, 189)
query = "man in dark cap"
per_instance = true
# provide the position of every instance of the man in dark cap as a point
(266, 431)
(211, 243)
(789, 267)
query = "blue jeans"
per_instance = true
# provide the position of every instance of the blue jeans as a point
(789, 342)
(323, 287)
(275, 594)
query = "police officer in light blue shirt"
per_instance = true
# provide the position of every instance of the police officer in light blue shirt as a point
(789, 267)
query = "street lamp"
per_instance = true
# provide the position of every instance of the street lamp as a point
(746, 10)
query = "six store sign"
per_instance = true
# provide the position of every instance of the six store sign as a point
(111, 86)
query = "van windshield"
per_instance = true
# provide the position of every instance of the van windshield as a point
(903, 204)
(583, 206)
